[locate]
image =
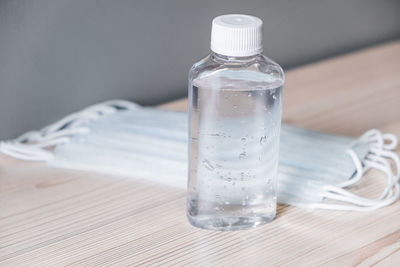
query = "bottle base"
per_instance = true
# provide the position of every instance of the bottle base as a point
(229, 223)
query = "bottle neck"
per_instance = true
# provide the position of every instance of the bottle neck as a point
(224, 58)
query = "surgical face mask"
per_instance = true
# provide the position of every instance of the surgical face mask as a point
(316, 170)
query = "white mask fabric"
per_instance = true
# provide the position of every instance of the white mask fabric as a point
(316, 170)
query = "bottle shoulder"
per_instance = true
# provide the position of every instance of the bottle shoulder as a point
(256, 69)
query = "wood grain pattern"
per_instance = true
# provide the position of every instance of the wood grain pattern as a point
(60, 217)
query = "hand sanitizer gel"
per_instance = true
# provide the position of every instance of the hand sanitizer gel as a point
(235, 117)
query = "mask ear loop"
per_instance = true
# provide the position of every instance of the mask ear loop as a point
(359, 170)
(378, 147)
(340, 194)
(358, 203)
(392, 141)
(342, 207)
(22, 151)
(371, 136)
(375, 160)
(35, 145)
(391, 155)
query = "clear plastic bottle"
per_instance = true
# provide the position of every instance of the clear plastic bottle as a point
(235, 118)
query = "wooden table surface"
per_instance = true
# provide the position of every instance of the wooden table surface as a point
(61, 217)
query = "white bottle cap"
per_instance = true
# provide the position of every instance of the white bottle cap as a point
(236, 35)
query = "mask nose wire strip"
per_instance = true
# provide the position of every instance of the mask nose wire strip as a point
(34, 145)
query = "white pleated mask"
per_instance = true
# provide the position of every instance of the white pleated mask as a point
(316, 170)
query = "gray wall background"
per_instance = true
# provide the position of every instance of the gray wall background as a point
(57, 56)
